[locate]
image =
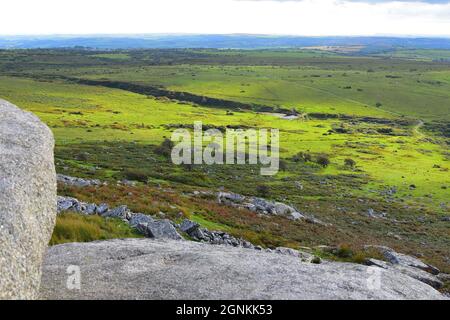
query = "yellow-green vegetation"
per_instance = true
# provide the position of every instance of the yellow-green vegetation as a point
(74, 227)
(117, 56)
(80, 114)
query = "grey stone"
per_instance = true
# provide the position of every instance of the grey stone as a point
(65, 203)
(444, 277)
(27, 200)
(90, 209)
(263, 205)
(287, 251)
(159, 229)
(296, 215)
(138, 218)
(167, 269)
(405, 260)
(372, 214)
(102, 208)
(283, 209)
(77, 182)
(230, 197)
(189, 226)
(199, 234)
(121, 212)
(412, 272)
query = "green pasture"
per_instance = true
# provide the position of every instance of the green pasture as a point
(81, 114)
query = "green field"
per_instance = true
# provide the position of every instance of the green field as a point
(391, 116)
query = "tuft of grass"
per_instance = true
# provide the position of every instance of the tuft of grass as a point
(74, 227)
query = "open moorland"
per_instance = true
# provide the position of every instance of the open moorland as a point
(381, 122)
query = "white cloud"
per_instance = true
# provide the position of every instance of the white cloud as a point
(305, 17)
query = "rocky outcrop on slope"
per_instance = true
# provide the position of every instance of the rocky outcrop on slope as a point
(27, 200)
(78, 182)
(146, 225)
(166, 229)
(168, 269)
(264, 206)
(255, 204)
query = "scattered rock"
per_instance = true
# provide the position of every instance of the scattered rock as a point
(159, 229)
(78, 182)
(264, 207)
(188, 226)
(72, 204)
(229, 197)
(127, 183)
(298, 185)
(102, 208)
(372, 214)
(139, 218)
(121, 212)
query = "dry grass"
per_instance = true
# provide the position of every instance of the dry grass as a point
(74, 227)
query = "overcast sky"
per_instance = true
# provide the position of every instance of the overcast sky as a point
(297, 17)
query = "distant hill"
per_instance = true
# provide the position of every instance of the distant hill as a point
(370, 44)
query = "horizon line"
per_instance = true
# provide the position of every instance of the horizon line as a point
(223, 34)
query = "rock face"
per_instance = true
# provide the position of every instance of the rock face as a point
(27, 200)
(169, 269)
(407, 265)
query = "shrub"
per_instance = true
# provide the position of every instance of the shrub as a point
(283, 165)
(316, 260)
(350, 163)
(82, 156)
(344, 251)
(302, 156)
(136, 175)
(378, 104)
(323, 160)
(263, 190)
(165, 148)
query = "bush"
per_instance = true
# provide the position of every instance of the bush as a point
(323, 160)
(344, 251)
(283, 165)
(378, 104)
(136, 175)
(165, 148)
(302, 156)
(263, 190)
(84, 156)
(349, 163)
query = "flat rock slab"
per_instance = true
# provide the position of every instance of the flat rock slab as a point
(168, 269)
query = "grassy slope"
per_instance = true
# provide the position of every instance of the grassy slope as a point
(409, 93)
(111, 115)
